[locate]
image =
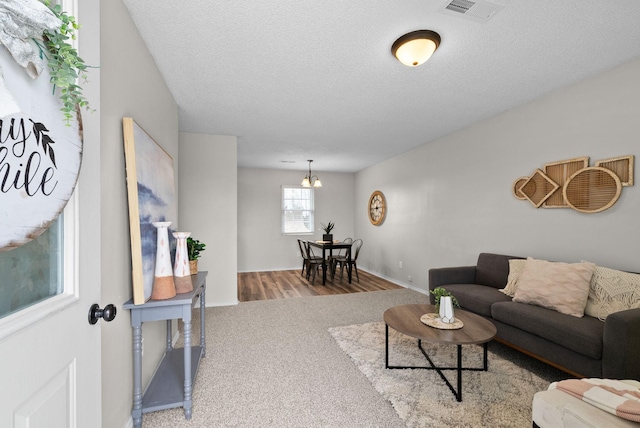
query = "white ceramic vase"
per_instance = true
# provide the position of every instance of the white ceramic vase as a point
(181, 271)
(446, 310)
(163, 285)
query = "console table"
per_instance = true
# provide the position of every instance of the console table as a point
(172, 384)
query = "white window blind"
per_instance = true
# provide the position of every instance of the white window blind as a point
(297, 210)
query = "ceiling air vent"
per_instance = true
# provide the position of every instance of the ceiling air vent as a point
(461, 6)
(478, 11)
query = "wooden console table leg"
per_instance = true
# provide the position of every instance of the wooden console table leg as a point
(136, 413)
(188, 388)
(202, 308)
(169, 345)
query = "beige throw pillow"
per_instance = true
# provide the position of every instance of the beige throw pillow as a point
(563, 287)
(612, 291)
(515, 269)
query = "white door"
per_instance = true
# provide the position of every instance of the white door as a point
(50, 368)
(50, 362)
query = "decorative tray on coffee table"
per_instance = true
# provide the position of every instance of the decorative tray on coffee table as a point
(433, 320)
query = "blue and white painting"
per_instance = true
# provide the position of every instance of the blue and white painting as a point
(151, 199)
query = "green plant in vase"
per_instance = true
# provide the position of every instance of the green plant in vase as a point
(327, 231)
(439, 292)
(194, 248)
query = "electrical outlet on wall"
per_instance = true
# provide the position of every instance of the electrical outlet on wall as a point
(400, 264)
(410, 278)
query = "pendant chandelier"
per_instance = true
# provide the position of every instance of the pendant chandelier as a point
(311, 180)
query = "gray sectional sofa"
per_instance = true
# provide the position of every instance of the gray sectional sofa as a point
(583, 347)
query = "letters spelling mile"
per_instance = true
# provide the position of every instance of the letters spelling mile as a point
(22, 165)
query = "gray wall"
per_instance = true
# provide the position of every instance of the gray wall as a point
(209, 209)
(261, 245)
(130, 86)
(451, 199)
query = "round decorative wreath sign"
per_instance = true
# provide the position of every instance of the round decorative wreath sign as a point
(40, 125)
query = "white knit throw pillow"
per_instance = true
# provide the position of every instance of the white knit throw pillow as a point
(612, 291)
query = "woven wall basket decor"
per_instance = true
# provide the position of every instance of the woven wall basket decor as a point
(538, 188)
(516, 187)
(572, 183)
(559, 172)
(621, 166)
(592, 189)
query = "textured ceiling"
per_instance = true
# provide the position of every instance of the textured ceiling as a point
(297, 80)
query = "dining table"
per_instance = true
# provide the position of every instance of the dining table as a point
(330, 246)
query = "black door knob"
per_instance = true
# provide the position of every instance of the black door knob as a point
(95, 313)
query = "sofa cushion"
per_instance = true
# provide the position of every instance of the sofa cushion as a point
(493, 269)
(563, 287)
(515, 269)
(612, 291)
(582, 335)
(476, 298)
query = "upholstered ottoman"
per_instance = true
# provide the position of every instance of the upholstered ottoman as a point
(555, 408)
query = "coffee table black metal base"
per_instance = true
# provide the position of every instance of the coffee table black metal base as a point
(458, 368)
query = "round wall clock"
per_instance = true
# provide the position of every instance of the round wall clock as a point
(377, 208)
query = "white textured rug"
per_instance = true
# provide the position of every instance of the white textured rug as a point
(499, 397)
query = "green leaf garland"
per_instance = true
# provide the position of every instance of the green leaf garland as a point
(65, 66)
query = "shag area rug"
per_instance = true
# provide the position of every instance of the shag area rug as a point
(499, 397)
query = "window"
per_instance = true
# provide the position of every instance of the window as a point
(297, 210)
(33, 272)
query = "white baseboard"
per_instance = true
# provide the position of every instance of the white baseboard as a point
(215, 304)
(395, 281)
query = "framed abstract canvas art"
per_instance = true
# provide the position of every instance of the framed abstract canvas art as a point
(151, 195)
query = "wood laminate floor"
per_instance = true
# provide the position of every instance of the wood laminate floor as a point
(284, 284)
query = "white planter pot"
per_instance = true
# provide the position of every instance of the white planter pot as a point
(446, 310)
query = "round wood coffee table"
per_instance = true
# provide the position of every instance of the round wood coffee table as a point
(406, 320)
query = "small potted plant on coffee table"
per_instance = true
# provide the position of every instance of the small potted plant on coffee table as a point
(449, 302)
(194, 248)
(439, 292)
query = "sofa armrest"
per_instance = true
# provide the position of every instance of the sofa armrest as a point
(450, 275)
(621, 345)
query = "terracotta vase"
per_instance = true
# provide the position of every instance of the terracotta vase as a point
(163, 285)
(181, 270)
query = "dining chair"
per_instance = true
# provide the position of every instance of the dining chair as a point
(355, 250)
(313, 263)
(304, 252)
(338, 257)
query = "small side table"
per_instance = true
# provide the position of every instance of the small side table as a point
(172, 384)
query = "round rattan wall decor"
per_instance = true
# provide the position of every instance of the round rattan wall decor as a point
(516, 187)
(592, 189)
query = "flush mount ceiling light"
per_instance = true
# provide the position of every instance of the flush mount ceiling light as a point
(311, 180)
(416, 47)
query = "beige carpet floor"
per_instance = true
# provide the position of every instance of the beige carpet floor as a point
(275, 364)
